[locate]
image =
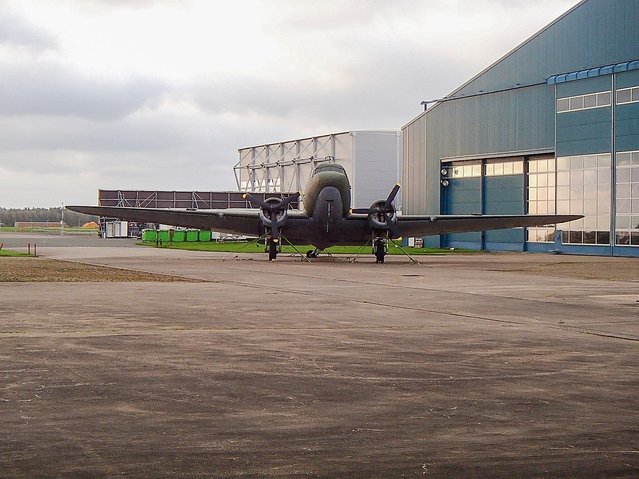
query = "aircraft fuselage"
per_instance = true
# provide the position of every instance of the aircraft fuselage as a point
(327, 203)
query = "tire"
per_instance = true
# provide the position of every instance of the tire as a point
(379, 252)
(272, 250)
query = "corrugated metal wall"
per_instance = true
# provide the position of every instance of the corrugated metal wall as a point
(377, 162)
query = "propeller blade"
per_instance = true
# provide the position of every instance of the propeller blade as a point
(274, 228)
(287, 201)
(257, 201)
(391, 197)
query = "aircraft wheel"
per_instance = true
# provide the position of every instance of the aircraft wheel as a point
(272, 250)
(379, 252)
(312, 253)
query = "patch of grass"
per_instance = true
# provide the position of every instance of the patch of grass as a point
(9, 253)
(254, 247)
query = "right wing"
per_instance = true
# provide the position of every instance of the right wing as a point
(241, 221)
(413, 225)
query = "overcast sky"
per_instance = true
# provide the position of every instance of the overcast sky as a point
(142, 94)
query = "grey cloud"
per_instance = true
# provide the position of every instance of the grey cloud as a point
(15, 30)
(151, 134)
(50, 89)
(381, 89)
(163, 149)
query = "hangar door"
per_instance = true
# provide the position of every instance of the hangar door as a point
(494, 186)
(461, 195)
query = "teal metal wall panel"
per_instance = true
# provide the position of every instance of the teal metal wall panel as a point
(581, 87)
(504, 195)
(628, 79)
(463, 197)
(627, 127)
(585, 131)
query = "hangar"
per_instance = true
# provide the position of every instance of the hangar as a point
(551, 127)
(372, 160)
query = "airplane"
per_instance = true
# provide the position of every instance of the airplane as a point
(326, 219)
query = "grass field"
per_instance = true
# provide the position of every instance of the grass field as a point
(7, 253)
(253, 247)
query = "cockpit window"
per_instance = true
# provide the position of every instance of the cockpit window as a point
(329, 167)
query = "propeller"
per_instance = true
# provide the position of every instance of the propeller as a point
(271, 208)
(380, 213)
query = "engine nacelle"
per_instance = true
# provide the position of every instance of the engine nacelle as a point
(266, 217)
(382, 218)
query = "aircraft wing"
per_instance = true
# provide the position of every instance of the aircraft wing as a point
(413, 225)
(233, 220)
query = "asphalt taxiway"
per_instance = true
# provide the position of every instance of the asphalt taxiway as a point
(329, 369)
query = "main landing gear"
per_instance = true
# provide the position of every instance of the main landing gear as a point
(379, 249)
(272, 247)
(313, 253)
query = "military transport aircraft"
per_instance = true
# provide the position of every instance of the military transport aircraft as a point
(325, 220)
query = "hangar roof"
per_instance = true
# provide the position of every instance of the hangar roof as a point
(591, 34)
(593, 72)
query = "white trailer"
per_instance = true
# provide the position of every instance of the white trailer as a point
(372, 160)
(116, 229)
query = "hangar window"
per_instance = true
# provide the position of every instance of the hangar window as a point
(541, 196)
(603, 98)
(583, 102)
(465, 170)
(583, 188)
(563, 105)
(628, 95)
(627, 202)
(590, 101)
(503, 168)
(577, 103)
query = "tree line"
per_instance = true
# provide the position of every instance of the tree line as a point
(9, 216)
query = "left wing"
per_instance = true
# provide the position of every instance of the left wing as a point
(233, 220)
(413, 225)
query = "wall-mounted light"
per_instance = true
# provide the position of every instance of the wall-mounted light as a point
(445, 182)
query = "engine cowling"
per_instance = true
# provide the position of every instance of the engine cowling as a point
(274, 214)
(382, 216)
